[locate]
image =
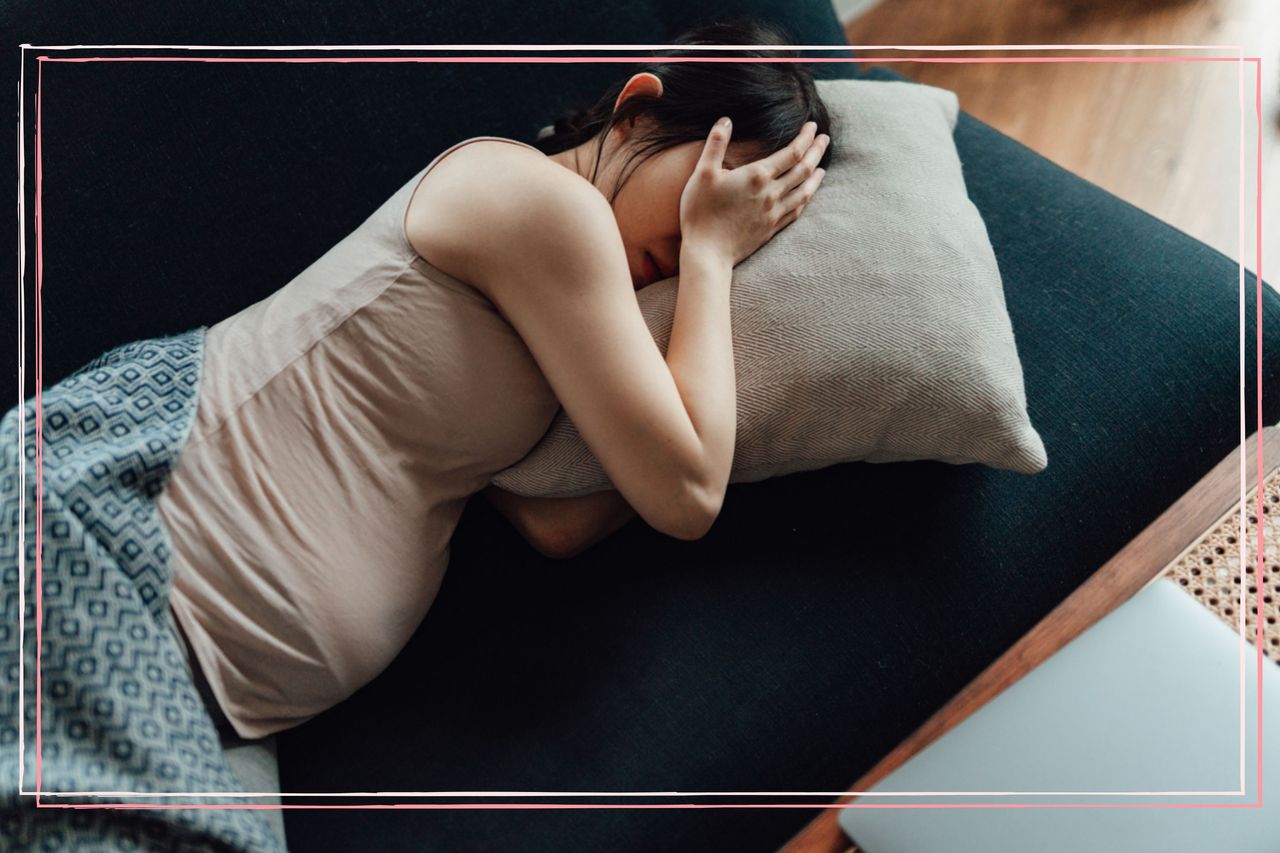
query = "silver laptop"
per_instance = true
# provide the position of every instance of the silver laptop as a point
(1138, 710)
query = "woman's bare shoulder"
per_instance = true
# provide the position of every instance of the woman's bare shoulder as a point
(485, 188)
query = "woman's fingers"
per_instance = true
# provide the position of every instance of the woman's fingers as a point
(801, 171)
(784, 158)
(712, 159)
(793, 203)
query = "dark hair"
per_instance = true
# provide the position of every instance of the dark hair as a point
(768, 102)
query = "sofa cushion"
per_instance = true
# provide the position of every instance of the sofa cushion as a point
(828, 613)
(873, 328)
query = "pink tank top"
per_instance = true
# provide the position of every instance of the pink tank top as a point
(341, 426)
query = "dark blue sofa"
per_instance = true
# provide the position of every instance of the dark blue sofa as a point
(825, 616)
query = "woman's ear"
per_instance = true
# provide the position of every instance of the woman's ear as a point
(644, 83)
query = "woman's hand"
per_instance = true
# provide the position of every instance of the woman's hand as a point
(733, 212)
(560, 528)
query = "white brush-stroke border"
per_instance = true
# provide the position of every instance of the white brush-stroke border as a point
(621, 47)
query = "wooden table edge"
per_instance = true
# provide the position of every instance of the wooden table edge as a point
(1138, 564)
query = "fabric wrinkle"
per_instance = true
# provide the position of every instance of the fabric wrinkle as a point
(347, 419)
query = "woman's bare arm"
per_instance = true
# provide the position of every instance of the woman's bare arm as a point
(562, 282)
(562, 527)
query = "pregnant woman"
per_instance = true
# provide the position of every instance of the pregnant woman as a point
(343, 422)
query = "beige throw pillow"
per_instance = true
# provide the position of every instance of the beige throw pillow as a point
(873, 328)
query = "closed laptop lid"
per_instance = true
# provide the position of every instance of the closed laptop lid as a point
(1148, 700)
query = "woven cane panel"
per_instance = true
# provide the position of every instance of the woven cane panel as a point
(1210, 569)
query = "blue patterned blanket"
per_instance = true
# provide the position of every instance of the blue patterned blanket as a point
(118, 709)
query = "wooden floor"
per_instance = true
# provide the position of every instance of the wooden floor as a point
(1164, 136)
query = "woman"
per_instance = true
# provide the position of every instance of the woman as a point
(344, 422)
(281, 487)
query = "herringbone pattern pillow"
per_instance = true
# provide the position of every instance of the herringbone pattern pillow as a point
(874, 328)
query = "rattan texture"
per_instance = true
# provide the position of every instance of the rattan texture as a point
(1210, 569)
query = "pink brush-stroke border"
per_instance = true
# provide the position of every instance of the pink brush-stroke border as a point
(637, 60)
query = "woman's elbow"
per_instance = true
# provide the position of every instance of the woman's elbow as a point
(701, 509)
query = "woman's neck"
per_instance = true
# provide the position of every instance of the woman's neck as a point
(580, 160)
